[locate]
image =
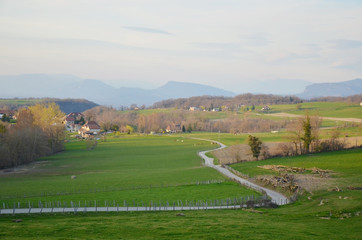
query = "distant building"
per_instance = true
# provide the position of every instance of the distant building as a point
(194, 108)
(266, 108)
(8, 113)
(72, 121)
(89, 129)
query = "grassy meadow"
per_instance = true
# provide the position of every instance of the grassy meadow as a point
(338, 218)
(323, 109)
(132, 168)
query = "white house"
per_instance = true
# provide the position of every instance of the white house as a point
(89, 128)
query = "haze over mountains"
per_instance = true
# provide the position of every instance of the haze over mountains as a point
(68, 86)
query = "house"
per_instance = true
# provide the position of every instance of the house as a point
(194, 108)
(74, 127)
(72, 121)
(9, 113)
(266, 108)
(90, 128)
(173, 129)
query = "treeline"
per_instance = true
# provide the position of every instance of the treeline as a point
(233, 104)
(351, 99)
(66, 105)
(38, 132)
(178, 119)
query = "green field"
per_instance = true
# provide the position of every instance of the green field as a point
(135, 169)
(346, 164)
(162, 161)
(323, 109)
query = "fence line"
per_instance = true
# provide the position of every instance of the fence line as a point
(113, 206)
(112, 189)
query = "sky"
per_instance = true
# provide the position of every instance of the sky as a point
(146, 43)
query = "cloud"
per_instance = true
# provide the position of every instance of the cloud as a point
(258, 39)
(343, 44)
(216, 46)
(148, 30)
(350, 63)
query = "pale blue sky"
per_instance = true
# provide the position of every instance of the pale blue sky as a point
(217, 42)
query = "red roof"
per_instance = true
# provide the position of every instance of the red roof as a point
(92, 125)
(70, 119)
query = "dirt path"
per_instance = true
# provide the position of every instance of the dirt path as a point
(357, 120)
(275, 196)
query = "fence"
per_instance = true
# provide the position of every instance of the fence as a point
(113, 206)
(110, 189)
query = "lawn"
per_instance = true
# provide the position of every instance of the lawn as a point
(129, 168)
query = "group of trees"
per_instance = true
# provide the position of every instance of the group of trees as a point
(223, 103)
(303, 138)
(158, 121)
(38, 132)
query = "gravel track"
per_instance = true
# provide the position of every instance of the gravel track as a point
(275, 196)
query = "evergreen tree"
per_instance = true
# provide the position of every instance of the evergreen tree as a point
(255, 146)
(189, 128)
(307, 136)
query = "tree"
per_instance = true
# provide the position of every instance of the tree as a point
(5, 118)
(307, 137)
(130, 129)
(81, 121)
(189, 128)
(49, 117)
(183, 129)
(255, 146)
(2, 128)
(115, 127)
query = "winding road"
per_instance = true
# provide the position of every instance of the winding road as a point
(275, 196)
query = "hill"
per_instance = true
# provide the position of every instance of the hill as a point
(232, 103)
(66, 105)
(339, 89)
(66, 86)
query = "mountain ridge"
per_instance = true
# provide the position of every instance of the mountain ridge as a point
(338, 89)
(43, 85)
(69, 86)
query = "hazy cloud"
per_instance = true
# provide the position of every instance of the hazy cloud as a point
(147, 30)
(258, 39)
(343, 44)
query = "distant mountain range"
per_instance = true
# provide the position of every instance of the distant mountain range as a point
(339, 89)
(275, 87)
(67, 86)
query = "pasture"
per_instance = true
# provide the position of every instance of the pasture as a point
(158, 168)
(323, 109)
(338, 218)
(136, 169)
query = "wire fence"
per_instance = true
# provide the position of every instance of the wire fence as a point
(124, 206)
(108, 189)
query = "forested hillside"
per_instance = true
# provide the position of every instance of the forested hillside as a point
(232, 103)
(66, 105)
